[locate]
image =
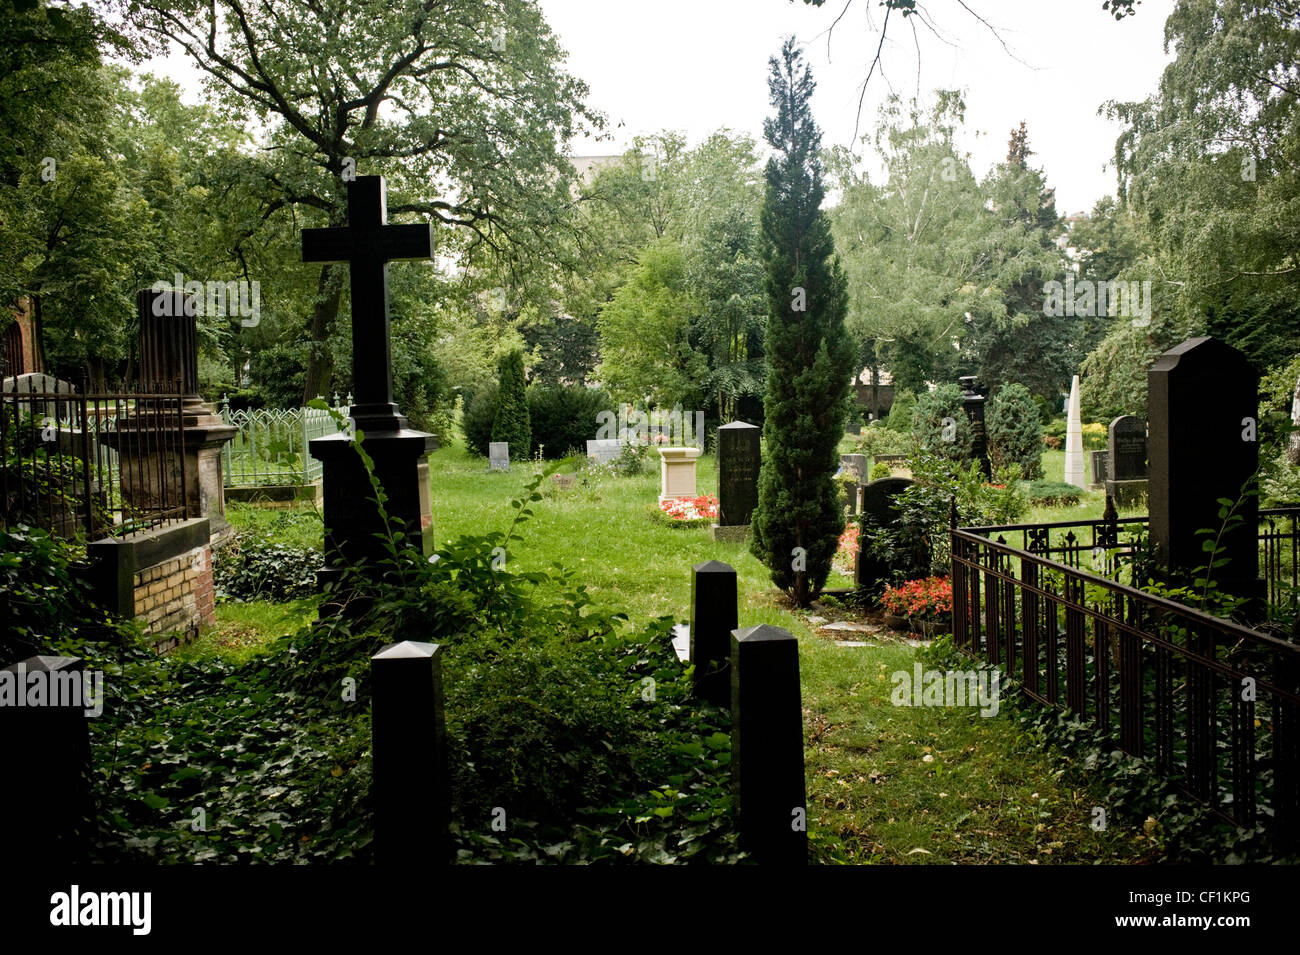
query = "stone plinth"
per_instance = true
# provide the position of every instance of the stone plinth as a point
(352, 515)
(677, 473)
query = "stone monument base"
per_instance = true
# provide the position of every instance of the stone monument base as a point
(1127, 494)
(731, 533)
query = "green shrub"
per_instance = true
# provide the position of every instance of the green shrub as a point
(254, 568)
(940, 424)
(901, 412)
(879, 471)
(1014, 433)
(1054, 494)
(564, 417)
(511, 422)
(1095, 437)
(480, 412)
(45, 600)
(883, 440)
(925, 509)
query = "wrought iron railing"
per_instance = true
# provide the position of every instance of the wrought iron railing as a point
(91, 465)
(271, 445)
(1214, 704)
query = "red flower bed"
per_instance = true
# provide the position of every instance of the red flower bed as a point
(691, 508)
(924, 597)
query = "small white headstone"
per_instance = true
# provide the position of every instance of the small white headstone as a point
(604, 450)
(499, 456)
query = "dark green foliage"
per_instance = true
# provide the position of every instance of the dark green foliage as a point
(925, 508)
(250, 568)
(548, 715)
(1014, 433)
(479, 414)
(1053, 494)
(44, 598)
(810, 357)
(563, 417)
(901, 412)
(940, 425)
(279, 372)
(511, 422)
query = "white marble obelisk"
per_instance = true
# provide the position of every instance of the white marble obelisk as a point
(1074, 440)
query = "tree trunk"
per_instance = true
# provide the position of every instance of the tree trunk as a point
(326, 309)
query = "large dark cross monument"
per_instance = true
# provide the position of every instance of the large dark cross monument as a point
(352, 518)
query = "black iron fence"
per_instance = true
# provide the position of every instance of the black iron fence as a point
(91, 465)
(1215, 704)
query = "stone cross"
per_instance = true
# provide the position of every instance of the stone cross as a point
(354, 525)
(367, 243)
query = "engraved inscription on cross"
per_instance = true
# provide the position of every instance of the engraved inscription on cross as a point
(367, 243)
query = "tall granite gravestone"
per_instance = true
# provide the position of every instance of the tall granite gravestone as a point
(1203, 445)
(1074, 438)
(972, 400)
(499, 456)
(400, 454)
(880, 511)
(154, 474)
(1126, 481)
(738, 464)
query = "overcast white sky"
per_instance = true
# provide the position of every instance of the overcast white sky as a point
(698, 65)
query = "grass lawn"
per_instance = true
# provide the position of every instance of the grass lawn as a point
(885, 783)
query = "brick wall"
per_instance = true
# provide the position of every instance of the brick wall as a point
(173, 599)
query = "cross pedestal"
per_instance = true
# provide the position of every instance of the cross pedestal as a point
(400, 454)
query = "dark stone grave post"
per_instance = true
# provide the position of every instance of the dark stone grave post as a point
(1203, 445)
(713, 617)
(973, 403)
(47, 802)
(767, 745)
(409, 739)
(400, 454)
(738, 464)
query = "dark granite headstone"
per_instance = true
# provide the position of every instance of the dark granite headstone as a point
(1128, 448)
(738, 463)
(1100, 468)
(973, 403)
(880, 510)
(1126, 480)
(353, 521)
(767, 768)
(1203, 445)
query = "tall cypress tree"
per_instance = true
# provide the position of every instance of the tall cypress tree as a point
(809, 356)
(511, 422)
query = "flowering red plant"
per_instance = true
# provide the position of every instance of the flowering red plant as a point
(925, 597)
(843, 560)
(690, 508)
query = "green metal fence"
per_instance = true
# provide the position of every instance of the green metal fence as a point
(271, 445)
